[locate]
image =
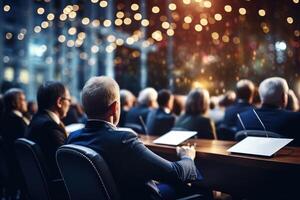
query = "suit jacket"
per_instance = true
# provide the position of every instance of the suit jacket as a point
(44, 131)
(134, 113)
(231, 112)
(131, 163)
(274, 119)
(159, 122)
(13, 127)
(204, 126)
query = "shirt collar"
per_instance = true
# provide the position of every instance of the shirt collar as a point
(18, 113)
(167, 110)
(106, 122)
(53, 116)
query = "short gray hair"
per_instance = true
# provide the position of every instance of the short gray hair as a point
(272, 89)
(98, 94)
(147, 95)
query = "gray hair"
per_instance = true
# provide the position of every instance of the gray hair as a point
(126, 96)
(10, 98)
(147, 95)
(98, 94)
(272, 89)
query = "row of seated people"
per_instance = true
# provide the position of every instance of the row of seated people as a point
(131, 163)
(272, 114)
(48, 131)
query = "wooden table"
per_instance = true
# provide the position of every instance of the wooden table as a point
(240, 175)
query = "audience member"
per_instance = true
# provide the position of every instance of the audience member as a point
(178, 107)
(14, 126)
(131, 163)
(72, 116)
(145, 103)
(228, 99)
(273, 94)
(293, 103)
(46, 128)
(127, 102)
(161, 120)
(31, 109)
(216, 113)
(194, 118)
(244, 92)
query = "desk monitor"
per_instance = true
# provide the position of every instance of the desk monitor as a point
(260, 146)
(174, 138)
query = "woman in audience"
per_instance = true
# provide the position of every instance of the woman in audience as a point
(194, 118)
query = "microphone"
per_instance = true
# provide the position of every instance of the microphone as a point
(241, 121)
(261, 122)
(143, 124)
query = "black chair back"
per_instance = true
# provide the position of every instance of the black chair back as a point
(33, 168)
(256, 133)
(85, 174)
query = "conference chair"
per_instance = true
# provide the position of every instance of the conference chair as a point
(38, 183)
(85, 173)
(240, 135)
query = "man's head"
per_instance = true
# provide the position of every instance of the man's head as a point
(165, 99)
(148, 97)
(274, 91)
(14, 99)
(54, 96)
(197, 102)
(245, 90)
(127, 99)
(101, 99)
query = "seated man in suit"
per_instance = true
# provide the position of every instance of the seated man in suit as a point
(14, 126)
(245, 92)
(161, 120)
(131, 163)
(46, 128)
(127, 101)
(273, 93)
(145, 103)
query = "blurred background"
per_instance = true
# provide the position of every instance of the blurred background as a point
(175, 44)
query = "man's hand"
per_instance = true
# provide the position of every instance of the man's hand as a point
(186, 151)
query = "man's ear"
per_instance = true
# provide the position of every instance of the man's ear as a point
(112, 108)
(284, 100)
(58, 102)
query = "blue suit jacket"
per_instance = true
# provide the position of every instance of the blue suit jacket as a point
(159, 122)
(134, 113)
(131, 163)
(276, 120)
(231, 112)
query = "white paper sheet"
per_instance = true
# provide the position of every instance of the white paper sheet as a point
(174, 137)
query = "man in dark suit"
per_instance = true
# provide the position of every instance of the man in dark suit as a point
(46, 128)
(245, 92)
(127, 102)
(161, 120)
(273, 93)
(131, 163)
(14, 126)
(145, 103)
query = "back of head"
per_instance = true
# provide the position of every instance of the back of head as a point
(10, 99)
(228, 98)
(48, 93)
(127, 98)
(245, 90)
(273, 91)
(197, 102)
(163, 97)
(98, 94)
(147, 96)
